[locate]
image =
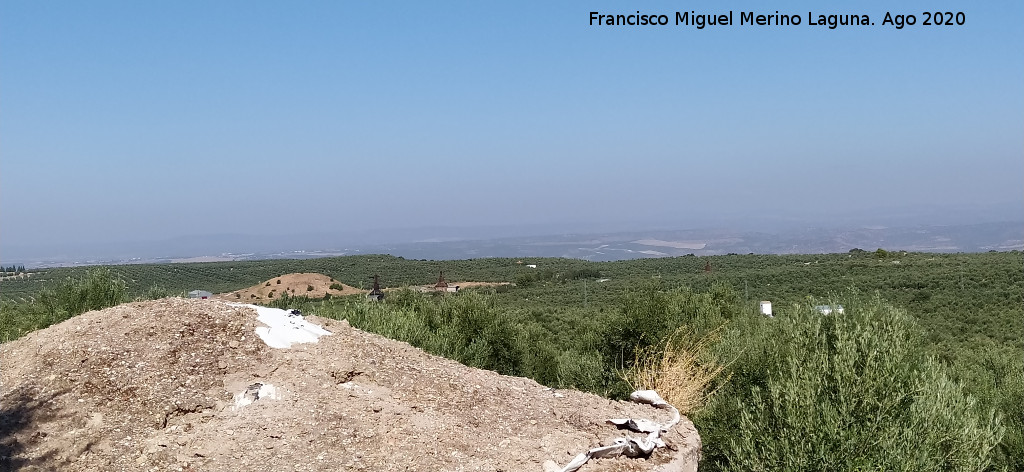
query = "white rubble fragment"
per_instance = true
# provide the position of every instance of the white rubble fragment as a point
(256, 391)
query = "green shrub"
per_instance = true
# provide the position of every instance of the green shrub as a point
(643, 318)
(525, 280)
(97, 289)
(155, 292)
(57, 301)
(581, 370)
(470, 330)
(587, 273)
(497, 345)
(647, 315)
(854, 391)
(996, 377)
(19, 319)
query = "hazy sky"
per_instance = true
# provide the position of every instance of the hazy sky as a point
(147, 120)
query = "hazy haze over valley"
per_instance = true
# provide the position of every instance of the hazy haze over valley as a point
(141, 131)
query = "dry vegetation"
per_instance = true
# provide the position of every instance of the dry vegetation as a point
(680, 369)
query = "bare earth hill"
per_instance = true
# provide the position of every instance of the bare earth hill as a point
(298, 284)
(154, 386)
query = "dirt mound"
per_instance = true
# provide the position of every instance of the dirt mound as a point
(299, 284)
(154, 386)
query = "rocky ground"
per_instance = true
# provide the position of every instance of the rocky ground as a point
(156, 386)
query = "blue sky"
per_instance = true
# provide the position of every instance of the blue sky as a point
(148, 120)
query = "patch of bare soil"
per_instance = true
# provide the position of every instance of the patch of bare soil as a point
(22, 275)
(298, 284)
(477, 284)
(461, 285)
(151, 386)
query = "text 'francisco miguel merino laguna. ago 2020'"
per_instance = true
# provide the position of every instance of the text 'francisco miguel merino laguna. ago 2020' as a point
(750, 18)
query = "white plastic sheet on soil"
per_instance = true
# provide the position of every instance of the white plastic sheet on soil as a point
(631, 446)
(284, 328)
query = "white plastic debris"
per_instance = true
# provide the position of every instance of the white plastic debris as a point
(554, 393)
(631, 446)
(284, 327)
(652, 398)
(641, 425)
(254, 392)
(649, 397)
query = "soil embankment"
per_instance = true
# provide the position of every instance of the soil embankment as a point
(155, 386)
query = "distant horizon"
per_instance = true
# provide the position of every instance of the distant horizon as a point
(125, 122)
(399, 241)
(930, 215)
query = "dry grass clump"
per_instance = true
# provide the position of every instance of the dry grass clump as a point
(680, 369)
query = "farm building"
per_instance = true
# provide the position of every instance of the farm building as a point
(766, 308)
(442, 285)
(201, 294)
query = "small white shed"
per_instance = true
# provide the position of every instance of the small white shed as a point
(766, 308)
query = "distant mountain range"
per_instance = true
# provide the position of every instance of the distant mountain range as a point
(448, 243)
